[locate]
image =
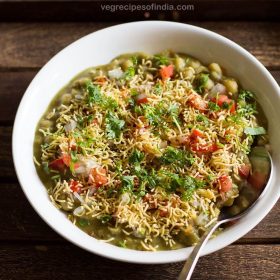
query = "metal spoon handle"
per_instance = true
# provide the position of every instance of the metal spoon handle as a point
(189, 266)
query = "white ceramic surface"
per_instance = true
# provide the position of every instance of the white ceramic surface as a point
(99, 48)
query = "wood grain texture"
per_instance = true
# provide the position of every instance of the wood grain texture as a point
(64, 261)
(22, 222)
(31, 45)
(67, 10)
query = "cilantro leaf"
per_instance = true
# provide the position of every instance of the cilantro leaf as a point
(114, 126)
(202, 118)
(95, 97)
(158, 89)
(254, 130)
(105, 218)
(94, 93)
(176, 157)
(129, 73)
(127, 183)
(201, 82)
(246, 95)
(136, 157)
(185, 185)
(134, 60)
(161, 60)
(213, 106)
(246, 103)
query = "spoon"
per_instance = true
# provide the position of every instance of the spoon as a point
(250, 194)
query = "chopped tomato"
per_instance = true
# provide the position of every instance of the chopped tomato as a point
(223, 101)
(166, 72)
(233, 108)
(74, 186)
(142, 122)
(205, 148)
(163, 212)
(197, 147)
(57, 164)
(225, 183)
(196, 133)
(257, 179)
(100, 80)
(197, 102)
(141, 98)
(76, 165)
(95, 121)
(99, 176)
(72, 145)
(66, 159)
(150, 200)
(244, 170)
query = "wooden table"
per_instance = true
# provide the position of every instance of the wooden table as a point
(31, 32)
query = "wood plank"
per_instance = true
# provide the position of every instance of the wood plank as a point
(65, 261)
(6, 162)
(22, 222)
(67, 10)
(12, 88)
(14, 84)
(31, 45)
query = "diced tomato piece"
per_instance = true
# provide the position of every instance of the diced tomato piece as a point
(166, 72)
(205, 148)
(225, 183)
(76, 165)
(95, 121)
(142, 122)
(141, 98)
(196, 147)
(66, 159)
(197, 102)
(163, 212)
(244, 170)
(100, 80)
(222, 99)
(74, 186)
(196, 133)
(257, 179)
(233, 108)
(57, 164)
(99, 176)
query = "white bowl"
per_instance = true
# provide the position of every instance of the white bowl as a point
(99, 48)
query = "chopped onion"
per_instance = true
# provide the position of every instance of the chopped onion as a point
(92, 191)
(139, 233)
(78, 96)
(125, 198)
(201, 219)
(195, 203)
(115, 73)
(163, 144)
(79, 197)
(78, 211)
(217, 89)
(85, 166)
(90, 163)
(81, 169)
(141, 98)
(70, 126)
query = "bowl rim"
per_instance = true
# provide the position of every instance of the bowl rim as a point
(121, 254)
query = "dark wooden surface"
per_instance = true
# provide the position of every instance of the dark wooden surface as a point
(91, 10)
(29, 249)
